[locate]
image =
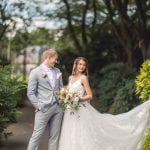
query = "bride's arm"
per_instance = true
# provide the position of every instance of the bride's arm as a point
(89, 94)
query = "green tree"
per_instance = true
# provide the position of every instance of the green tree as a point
(130, 23)
(125, 22)
(11, 14)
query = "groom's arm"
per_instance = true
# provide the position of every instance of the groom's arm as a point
(60, 81)
(32, 89)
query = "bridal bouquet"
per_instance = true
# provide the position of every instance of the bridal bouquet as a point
(68, 100)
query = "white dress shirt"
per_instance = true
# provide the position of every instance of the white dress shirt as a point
(51, 75)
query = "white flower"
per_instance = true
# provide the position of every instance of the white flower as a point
(65, 100)
(68, 107)
(62, 90)
(76, 99)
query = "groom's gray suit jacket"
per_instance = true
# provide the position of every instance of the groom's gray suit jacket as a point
(40, 91)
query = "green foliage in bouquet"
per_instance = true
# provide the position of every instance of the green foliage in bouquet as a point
(143, 81)
(9, 91)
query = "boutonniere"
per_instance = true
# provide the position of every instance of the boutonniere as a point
(44, 75)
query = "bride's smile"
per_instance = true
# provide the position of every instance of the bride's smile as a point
(81, 66)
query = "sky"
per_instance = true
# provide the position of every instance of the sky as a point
(37, 21)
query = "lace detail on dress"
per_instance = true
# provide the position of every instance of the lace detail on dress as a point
(76, 86)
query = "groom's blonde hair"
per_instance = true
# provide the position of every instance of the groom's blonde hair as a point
(49, 52)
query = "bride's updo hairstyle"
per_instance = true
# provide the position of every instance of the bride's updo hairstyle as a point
(76, 62)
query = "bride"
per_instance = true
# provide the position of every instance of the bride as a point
(88, 129)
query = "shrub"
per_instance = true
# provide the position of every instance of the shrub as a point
(115, 88)
(147, 142)
(9, 89)
(143, 81)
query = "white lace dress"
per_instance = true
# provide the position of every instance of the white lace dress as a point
(88, 129)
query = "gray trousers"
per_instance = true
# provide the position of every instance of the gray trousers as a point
(53, 118)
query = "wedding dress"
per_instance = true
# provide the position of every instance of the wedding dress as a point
(88, 129)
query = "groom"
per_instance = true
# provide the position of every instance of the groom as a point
(43, 83)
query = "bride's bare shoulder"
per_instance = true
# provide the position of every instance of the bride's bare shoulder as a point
(84, 77)
(70, 77)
